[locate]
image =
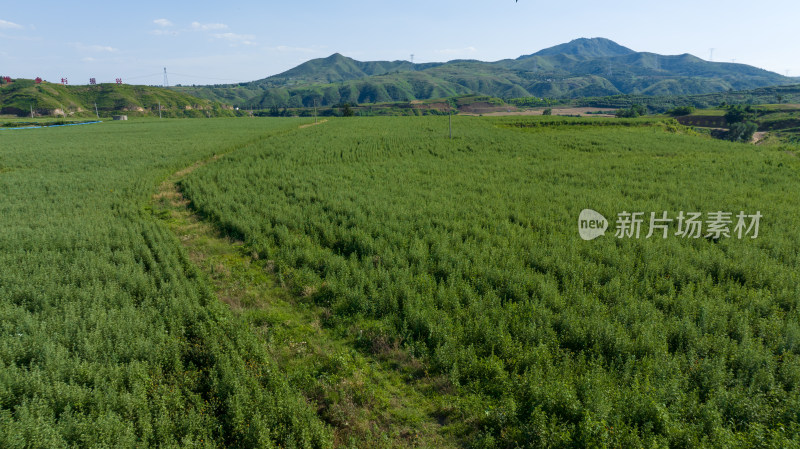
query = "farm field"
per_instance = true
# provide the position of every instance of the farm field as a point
(368, 282)
(465, 253)
(109, 337)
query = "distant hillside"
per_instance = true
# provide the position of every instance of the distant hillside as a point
(21, 95)
(580, 68)
(337, 68)
(784, 94)
(585, 49)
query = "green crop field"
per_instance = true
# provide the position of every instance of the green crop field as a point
(107, 337)
(427, 291)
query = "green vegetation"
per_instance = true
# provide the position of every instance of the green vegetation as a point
(634, 111)
(464, 254)
(738, 114)
(22, 96)
(581, 68)
(741, 123)
(110, 337)
(380, 401)
(741, 131)
(663, 103)
(377, 284)
(681, 110)
(781, 120)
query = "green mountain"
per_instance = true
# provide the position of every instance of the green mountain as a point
(585, 49)
(336, 68)
(21, 96)
(580, 68)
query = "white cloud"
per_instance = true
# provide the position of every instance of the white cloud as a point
(4, 24)
(233, 38)
(88, 59)
(163, 22)
(246, 39)
(163, 33)
(209, 26)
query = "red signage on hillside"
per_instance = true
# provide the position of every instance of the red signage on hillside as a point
(38, 80)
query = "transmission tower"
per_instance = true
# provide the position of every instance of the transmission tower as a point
(711, 58)
(412, 58)
(166, 81)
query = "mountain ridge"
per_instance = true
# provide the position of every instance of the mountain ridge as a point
(585, 47)
(581, 67)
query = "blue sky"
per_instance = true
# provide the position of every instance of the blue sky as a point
(204, 42)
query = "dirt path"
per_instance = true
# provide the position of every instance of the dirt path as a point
(378, 398)
(313, 124)
(759, 136)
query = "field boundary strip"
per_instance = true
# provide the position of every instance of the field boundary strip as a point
(312, 124)
(301, 340)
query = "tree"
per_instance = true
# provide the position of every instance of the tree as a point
(680, 110)
(741, 132)
(633, 112)
(547, 111)
(739, 113)
(347, 111)
(295, 101)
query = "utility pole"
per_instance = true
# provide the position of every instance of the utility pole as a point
(96, 111)
(315, 111)
(31, 111)
(159, 109)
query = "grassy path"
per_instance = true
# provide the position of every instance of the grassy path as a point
(373, 396)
